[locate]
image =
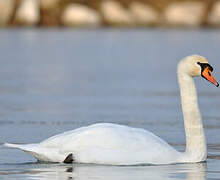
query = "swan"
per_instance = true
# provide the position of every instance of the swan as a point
(112, 144)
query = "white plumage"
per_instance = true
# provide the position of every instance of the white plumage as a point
(104, 143)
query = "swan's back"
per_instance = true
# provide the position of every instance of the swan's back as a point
(112, 144)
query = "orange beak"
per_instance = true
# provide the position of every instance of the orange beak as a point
(207, 74)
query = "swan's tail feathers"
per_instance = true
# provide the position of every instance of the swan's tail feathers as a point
(41, 154)
(23, 147)
(32, 149)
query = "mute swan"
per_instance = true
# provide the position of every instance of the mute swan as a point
(114, 144)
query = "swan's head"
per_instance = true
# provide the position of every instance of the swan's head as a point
(196, 65)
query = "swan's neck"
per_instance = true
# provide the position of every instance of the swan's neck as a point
(196, 150)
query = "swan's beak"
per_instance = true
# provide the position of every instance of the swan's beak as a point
(207, 74)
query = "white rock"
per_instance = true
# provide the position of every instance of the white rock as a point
(28, 12)
(49, 4)
(114, 13)
(80, 15)
(143, 14)
(214, 16)
(6, 10)
(184, 13)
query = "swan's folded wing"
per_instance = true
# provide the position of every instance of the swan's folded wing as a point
(114, 144)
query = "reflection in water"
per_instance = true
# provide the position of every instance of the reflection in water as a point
(83, 172)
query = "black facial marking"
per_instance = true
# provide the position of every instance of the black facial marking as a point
(204, 65)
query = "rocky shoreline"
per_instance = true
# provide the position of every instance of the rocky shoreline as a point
(96, 13)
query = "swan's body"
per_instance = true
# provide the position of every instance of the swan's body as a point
(113, 144)
(105, 144)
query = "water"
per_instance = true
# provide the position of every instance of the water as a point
(53, 80)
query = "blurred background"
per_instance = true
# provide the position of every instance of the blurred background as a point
(71, 63)
(96, 13)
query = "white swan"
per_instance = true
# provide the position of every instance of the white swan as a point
(121, 145)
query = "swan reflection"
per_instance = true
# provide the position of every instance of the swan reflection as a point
(86, 171)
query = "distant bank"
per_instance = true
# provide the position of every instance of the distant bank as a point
(96, 13)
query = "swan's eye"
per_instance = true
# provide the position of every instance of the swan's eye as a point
(199, 63)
